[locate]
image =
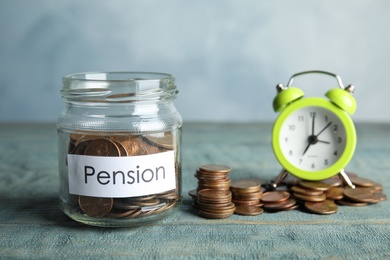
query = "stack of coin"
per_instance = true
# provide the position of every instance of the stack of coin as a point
(246, 196)
(211, 176)
(279, 200)
(216, 204)
(124, 145)
(212, 195)
(214, 177)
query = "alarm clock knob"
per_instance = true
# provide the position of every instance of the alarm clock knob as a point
(343, 98)
(285, 96)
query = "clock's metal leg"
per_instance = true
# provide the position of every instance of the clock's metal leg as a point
(346, 179)
(279, 179)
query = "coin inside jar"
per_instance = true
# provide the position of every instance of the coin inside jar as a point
(94, 206)
(102, 147)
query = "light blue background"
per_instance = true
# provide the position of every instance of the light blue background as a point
(227, 56)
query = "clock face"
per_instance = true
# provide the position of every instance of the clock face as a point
(312, 138)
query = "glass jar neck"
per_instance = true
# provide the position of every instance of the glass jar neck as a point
(118, 87)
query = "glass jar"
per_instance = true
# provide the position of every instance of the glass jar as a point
(119, 148)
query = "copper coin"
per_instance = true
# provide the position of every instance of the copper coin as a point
(122, 214)
(146, 203)
(361, 182)
(347, 202)
(280, 205)
(245, 186)
(140, 198)
(335, 193)
(275, 196)
(85, 138)
(379, 197)
(378, 187)
(300, 190)
(153, 149)
(164, 140)
(317, 198)
(214, 194)
(81, 147)
(248, 210)
(359, 195)
(122, 149)
(135, 146)
(314, 185)
(170, 195)
(102, 147)
(326, 207)
(215, 168)
(95, 206)
(212, 215)
(248, 196)
(216, 206)
(123, 205)
(333, 182)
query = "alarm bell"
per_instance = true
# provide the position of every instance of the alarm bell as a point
(342, 97)
(285, 96)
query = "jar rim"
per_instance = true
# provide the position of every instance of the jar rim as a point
(118, 76)
(121, 86)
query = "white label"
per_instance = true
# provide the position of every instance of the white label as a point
(121, 177)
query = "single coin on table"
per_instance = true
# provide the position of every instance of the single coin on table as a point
(275, 196)
(324, 208)
(359, 195)
(248, 210)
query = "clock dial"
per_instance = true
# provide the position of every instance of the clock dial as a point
(312, 138)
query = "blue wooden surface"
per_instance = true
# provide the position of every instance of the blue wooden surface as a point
(31, 224)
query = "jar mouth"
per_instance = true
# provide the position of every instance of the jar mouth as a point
(118, 86)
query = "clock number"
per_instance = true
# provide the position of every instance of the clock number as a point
(313, 166)
(335, 153)
(291, 127)
(335, 127)
(301, 118)
(313, 114)
(290, 153)
(326, 118)
(300, 161)
(326, 162)
(339, 140)
(286, 139)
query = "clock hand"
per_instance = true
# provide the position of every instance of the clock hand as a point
(307, 148)
(312, 124)
(324, 142)
(312, 134)
(324, 129)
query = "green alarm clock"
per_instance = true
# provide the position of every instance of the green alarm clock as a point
(314, 138)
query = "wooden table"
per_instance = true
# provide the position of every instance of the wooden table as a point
(32, 226)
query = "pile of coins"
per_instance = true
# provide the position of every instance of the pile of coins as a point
(123, 145)
(319, 197)
(127, 207)
(246, 197)
(212, 196)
